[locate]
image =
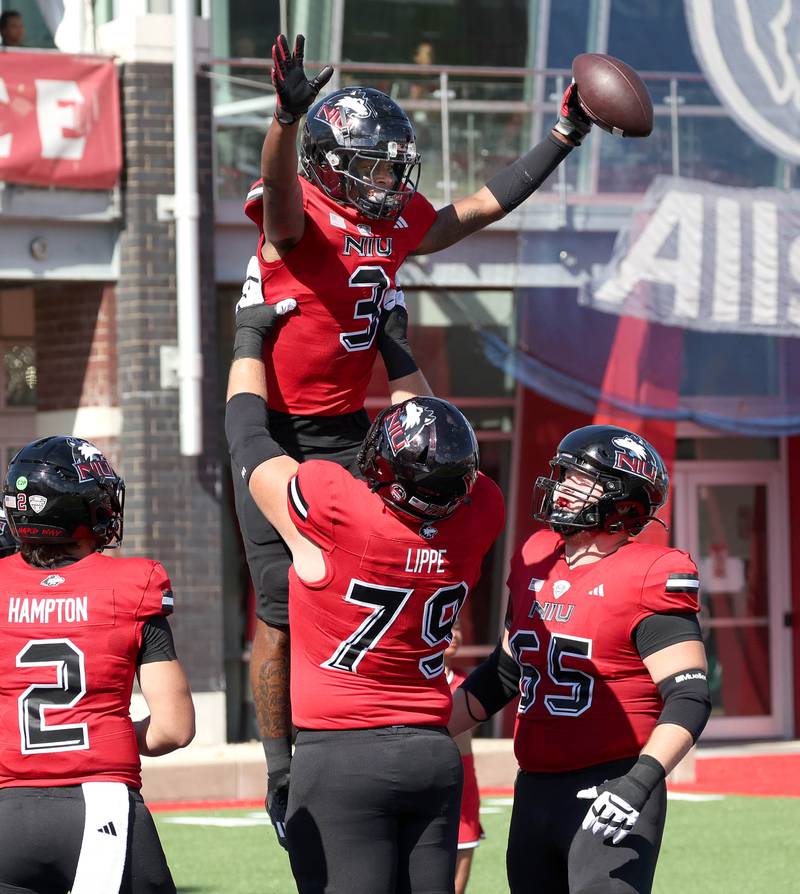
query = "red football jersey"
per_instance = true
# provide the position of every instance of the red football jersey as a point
(321, 360)
(586, 697)
(69, 641)
(368, 640)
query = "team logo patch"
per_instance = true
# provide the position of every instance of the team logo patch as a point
(406, 423)
(634, 455)
(397, 492)
(37, 502)
(428, 531)
(536, 584)
(89, 461)
(52, 580)
(339, 114)
(560, 587)
(749, 53)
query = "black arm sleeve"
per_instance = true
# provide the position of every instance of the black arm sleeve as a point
(523, 177)
(661, 630)
(157, 641)
(249, 440)
(393, 343)
(495, 681)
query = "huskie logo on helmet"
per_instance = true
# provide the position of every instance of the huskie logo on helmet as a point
(337, 114)
(405, 423)
(90, 464)
(632, 456)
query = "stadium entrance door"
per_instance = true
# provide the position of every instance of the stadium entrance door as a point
(732, 517)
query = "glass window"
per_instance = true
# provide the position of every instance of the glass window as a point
(729, 447)
(437, 32)
(650, 35)
(729, 365)
(447, 332)
(19, 370)
(37, 34)
(571, 32)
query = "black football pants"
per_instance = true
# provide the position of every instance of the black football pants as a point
(549, 852)
(374, 811)
(41, 835)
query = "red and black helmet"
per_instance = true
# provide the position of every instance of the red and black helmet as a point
(421, 457)
(345, 136)
(630, 471)
(62, 489)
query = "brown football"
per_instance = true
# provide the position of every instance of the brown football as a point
(613, 95)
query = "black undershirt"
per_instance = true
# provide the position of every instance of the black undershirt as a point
(659, 631)
(157, 641)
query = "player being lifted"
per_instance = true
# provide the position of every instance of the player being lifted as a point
(380, 570)
(77, 627)
(603, 646)
(332, 239)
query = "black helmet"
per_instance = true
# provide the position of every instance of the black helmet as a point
(8, 546)
(59, 490)
(421, 456)
(629, 470)
(352, 125)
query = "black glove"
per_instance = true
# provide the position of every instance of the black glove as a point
(618, 802)
(295, 91)
(276, 803)
(573, 122)
(254, 319)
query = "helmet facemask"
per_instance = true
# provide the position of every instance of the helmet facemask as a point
(348, 176)
(600, 504)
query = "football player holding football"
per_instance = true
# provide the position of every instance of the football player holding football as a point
(603, 647)
(331, 240)
(382, 564)
(77, 627)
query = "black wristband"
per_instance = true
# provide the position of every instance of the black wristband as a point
(647, 772)
(522, 178)
(393, 343)
(495, 681)
(249, 440)
(279, 758)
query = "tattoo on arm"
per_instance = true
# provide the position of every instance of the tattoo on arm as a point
(271, 696)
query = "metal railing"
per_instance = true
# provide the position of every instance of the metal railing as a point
(471, 121)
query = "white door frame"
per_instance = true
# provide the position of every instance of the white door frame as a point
(688, 477)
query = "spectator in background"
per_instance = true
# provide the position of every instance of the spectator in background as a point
(12, 28)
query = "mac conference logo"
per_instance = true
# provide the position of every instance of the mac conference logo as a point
(750, 52)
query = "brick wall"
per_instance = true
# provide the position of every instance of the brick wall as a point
(76, 345)
(172, 502)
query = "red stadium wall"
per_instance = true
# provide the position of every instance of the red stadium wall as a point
(793, 487)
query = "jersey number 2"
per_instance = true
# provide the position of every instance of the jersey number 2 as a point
(439, 615)
(366, 275)
(69, 688)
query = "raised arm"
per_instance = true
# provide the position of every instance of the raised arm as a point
(284, 219)
(511, 186)
(261, 462)
(406, 380)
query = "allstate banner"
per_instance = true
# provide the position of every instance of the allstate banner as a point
(707, 257)
(750, 52)
(59, 120)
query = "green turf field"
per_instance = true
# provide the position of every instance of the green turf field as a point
(741, 845)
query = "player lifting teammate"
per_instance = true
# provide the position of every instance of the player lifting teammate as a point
(76, 627)
(380, 570)
(603, 646)
(331, 240)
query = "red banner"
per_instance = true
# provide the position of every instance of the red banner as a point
(59, 120)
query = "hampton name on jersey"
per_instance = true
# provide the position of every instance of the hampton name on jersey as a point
(69, 641)
(586, 697)
(340, 272)
(368, 639)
